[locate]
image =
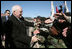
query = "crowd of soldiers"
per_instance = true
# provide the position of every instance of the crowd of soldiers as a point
(47, 34)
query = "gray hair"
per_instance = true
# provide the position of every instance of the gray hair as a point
(15, 7)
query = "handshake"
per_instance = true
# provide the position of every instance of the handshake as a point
(37, 38)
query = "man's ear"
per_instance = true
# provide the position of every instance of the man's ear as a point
(14, 12)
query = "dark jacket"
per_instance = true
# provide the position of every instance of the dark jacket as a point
(4, 30)
(18, 32)
(3, 18)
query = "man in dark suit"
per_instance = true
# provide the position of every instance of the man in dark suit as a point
(4, 18)
(17, 28)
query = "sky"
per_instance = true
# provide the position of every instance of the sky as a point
(33, 8)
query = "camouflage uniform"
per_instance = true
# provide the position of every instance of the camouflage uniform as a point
(56, 43)
(51, 42)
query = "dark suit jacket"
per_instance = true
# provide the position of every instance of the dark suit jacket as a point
(4, 18)
(3, 21)
(18, 32)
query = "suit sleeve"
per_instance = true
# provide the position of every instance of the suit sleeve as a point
(29, 23)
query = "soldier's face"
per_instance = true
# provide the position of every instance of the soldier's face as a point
(18, 13)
